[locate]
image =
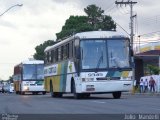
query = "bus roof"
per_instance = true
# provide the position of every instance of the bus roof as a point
(31, 62)
(90, 34)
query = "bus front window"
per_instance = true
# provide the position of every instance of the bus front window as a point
(29, 72)
(93, 54)
(33, 72)
(40, 71)
(118, 53)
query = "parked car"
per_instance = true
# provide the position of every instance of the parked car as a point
(1, 86)
(9, 88)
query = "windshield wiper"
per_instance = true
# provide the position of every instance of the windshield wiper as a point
(99, 61)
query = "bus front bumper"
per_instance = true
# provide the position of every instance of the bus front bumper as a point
(105, 86)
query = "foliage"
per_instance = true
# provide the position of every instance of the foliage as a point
(73, 25)
(94, 20)
(10, 79)
(39, 55)
(153, 69)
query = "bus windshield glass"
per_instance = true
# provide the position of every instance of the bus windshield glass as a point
(101, 53)
(40, 74)
(93, 54)
(33, 72)
(118, 53)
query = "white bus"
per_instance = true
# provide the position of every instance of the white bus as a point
(89, 63)
(29, 77)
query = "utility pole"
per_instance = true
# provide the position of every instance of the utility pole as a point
(130, 3)
(131, 16)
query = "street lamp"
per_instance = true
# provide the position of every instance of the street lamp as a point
(19, 5)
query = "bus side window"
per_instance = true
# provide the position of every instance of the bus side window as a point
(59, 54)
(62, 52)
(47, 57)
(71, 49)
(56, 55)
(52, 56)
(67, 50)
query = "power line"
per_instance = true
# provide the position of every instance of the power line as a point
(122, 28)
(131, 3)
(110, 6)
(149, 33)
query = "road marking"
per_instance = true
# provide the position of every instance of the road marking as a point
(99, 102)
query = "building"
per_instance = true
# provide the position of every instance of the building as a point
(147, 54)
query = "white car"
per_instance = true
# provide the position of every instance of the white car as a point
(9, 88)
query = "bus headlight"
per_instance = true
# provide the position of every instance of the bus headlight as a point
(25, 88)
(87, 79)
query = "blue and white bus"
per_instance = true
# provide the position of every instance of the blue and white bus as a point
(89, 63)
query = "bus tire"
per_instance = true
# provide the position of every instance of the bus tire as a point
(22, 93)
(86, 95)
(76, 95)
(57, 94)
(43, 93)
(116, 95)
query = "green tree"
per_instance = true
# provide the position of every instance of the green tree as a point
(39, 55)
(73, 25)
(153, 69)
(97, 18)
(94, 20)
(94, 14)
(10, 79)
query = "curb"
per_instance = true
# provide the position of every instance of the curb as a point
(142, 94)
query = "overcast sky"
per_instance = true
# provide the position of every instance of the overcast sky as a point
(23, 28)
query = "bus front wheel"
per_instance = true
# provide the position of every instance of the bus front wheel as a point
(116, 95)
(43, 93)
(22, 93)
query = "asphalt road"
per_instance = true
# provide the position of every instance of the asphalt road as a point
(96, 104)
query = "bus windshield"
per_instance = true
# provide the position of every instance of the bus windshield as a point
(101, 53)
(40, 70)
(33, 72)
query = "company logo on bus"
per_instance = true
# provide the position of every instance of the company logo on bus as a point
(95, 74)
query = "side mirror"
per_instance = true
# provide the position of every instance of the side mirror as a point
(77, 49)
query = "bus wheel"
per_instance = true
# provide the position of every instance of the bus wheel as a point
(22, 93)
(76, 95)
(86, 95)
(43, 93)
(57, 94)
(116, 95)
